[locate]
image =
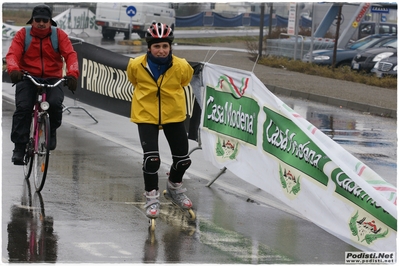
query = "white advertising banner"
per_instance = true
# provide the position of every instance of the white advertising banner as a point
(251, 132)
(81, 20)
(291, 19)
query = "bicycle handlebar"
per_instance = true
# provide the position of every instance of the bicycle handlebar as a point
(43, 84)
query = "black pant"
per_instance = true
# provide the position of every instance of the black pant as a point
(25, 97)
(176, 136)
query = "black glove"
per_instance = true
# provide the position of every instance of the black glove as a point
(71, 82)
(16, 76)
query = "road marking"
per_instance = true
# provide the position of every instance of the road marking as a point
(95, 249)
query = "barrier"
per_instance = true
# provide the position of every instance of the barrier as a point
(285, 47)
(208, 19)
(246, 20)
(78, 19)
(68, 108)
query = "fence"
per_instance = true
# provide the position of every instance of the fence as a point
(246, 19)
(286, 47)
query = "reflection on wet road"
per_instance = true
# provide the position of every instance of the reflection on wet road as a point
(31, 235)
(371, 139)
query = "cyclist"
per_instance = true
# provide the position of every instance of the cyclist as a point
(41, 60)
(158, 101)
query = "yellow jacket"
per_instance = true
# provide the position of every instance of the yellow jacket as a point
(162, 101)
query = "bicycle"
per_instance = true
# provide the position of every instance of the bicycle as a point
(37, 151)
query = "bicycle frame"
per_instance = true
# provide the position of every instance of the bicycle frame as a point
(37, 113)
(41, 106)
(37, 156)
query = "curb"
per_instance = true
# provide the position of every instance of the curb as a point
(366, 108)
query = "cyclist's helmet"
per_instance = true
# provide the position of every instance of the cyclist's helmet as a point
(159, 32)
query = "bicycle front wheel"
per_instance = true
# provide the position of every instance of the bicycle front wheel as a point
(42, 155)
(28, 159)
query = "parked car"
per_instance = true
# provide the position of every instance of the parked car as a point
(386, 67)
(369, 27)
(344, 56)
(365, 60)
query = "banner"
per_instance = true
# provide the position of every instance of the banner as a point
(103, 81)
(292, 19)
(82, 20)
(251, 132)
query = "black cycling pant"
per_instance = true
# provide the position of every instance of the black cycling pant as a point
(176, 136)
(25, 97)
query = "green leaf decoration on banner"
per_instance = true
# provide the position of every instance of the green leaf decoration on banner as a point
(371, 237)
(282, 179)
(295, 189)
(219, 149)
(234, 154)
(352, 225)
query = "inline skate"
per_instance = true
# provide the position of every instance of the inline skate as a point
(152, 207)
(175, 193)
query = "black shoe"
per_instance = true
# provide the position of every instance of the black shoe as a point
(18, 154)
(53, 140)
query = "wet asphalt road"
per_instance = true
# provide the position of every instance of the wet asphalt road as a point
(92, 201)
(90, 209)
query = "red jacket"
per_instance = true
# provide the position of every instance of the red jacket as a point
(41, 60)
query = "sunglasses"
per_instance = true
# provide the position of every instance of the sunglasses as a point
(45, 20)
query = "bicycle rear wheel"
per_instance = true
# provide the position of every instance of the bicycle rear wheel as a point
(42, 155)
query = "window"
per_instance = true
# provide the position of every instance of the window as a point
(384, 29)
(387, 29)
(366, 29)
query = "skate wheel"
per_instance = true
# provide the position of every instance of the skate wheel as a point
(164, 193)
(191, 214)
(152, 225)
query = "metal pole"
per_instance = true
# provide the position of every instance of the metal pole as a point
(312, 35)
(270, 20)
(296, 30)
(377, 24)
(336, 36)
(130, 28)
(222, 171)
(262, 18)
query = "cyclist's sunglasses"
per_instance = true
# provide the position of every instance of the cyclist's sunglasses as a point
(45, 20)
